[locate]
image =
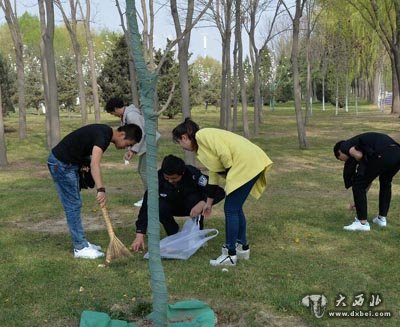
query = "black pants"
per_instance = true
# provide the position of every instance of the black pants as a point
(179, 208)
(385, 166)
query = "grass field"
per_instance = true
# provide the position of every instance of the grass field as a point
(295, 231)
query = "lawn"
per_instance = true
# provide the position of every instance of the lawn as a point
(295, 230)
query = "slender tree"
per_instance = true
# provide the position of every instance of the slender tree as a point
(71, 25)
(3, 146)
(147, 87)
(301, 129)
(12, 22)
(46, 12)
(92, 61)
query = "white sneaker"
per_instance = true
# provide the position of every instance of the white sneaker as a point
(88, 253)
(138, 203)
(357, 226)
(94, 246)
(380, 221)
(240, 253)
(224, 260)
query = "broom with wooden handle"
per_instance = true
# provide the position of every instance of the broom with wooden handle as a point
(116, 249)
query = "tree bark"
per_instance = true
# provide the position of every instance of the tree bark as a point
(71, 25)
(46, 11)
(92, 64)
(242, 83)
(13, 25)
(3, 146)
(301, 130)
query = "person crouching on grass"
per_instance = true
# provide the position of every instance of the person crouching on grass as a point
(183, 191)
(242, 164)
(64, 162)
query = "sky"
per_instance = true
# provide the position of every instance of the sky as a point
(204, 41)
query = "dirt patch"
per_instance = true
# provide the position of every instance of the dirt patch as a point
(59, 225)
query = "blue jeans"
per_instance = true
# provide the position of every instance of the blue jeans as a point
(66, 179)
(235, 220)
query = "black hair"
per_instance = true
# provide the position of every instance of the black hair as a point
(172, 165)
(132, 132)
(114, 103)
(336, 149)
(188, 127)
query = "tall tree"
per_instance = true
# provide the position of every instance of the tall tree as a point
(131, 63)
(12, 21)
(241, 77)
(92, 63)
(384, 18)
(46, 12)
(301, 129)
(255, 9)
(147, 85)
(71, 25)
(3, 147)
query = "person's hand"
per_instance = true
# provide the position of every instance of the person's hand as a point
(207, 210)
(101, 198)
(128, 155)
(197, 209)
(352, 207)
(138, 243)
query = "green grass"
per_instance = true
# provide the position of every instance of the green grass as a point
(295, 229)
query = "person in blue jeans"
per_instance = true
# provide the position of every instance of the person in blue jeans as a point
(64, 162)
(235, 161)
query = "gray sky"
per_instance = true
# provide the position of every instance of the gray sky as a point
(204, 41)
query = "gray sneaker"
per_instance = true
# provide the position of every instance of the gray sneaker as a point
(380, 221)
(88, 253)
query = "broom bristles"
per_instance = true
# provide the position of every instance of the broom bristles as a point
(116, 249)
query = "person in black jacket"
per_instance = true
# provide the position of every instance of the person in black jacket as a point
(183, 191)
(366, 157)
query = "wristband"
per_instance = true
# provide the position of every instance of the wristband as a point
(101, 189)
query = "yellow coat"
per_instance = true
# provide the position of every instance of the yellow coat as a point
(220, 151)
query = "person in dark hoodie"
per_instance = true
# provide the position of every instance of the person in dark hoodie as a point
(183, 191)
(368, 156)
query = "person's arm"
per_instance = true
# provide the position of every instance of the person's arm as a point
(141, 226)
(208, 207)
(97, 154)
(356, 154)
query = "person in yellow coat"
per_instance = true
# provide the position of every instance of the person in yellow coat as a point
(242, 164)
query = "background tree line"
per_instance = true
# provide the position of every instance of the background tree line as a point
(340, 52)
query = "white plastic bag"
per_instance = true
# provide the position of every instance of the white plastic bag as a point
(185, 243)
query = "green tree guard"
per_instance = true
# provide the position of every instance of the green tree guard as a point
(147, 87)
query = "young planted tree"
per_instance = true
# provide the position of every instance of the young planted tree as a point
(147, 85)
(12, 21)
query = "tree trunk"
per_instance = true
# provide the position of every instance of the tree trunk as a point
(3, 146)
(148, 85)
(46, 10)
(13, 25)
(301, 130)
(72, 31)
(92, 64)
(242, 83)
(256, 127)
